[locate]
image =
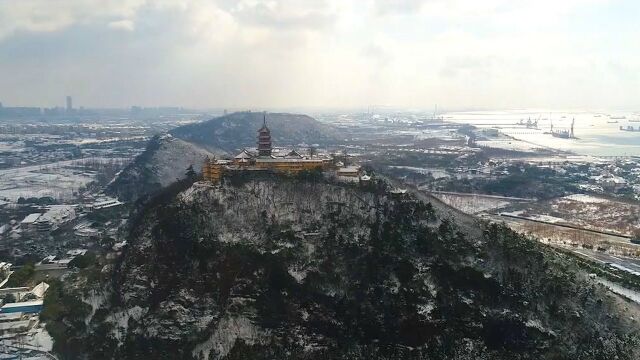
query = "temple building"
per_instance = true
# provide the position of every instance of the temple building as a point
(264, 159)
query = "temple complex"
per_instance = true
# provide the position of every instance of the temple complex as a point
(264, 159)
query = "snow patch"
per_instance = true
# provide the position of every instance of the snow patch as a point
(588, 199)
(224, 337)
(297, 274)
(121, 320)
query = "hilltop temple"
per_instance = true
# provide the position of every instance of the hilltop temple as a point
(265, 159)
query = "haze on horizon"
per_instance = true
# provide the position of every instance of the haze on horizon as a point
(321, 53)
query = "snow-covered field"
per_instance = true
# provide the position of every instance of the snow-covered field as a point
(436, 173)
(472, 204)
(510, 144)
(628, 293)
(587, 211)
(536, 217)
(58, 180)
(587, 199)
(547, 218)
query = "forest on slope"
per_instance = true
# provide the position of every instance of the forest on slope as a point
(272, 267)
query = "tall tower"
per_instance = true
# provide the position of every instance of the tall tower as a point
(69, 104)
(264, 138)
(572, 123)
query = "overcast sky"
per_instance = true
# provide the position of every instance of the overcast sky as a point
(570, 54)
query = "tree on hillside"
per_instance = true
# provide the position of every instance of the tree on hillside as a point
(191, 173)
(22, 276)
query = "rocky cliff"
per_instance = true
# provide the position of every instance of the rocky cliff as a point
(290, 268)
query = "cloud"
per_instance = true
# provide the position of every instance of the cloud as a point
(49, 16)
(285, 14)
(273, 53)
(377, 53)
(398, 6)
(124, 24)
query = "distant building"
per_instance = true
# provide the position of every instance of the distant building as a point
(76, 252)
(27, 307)
(40, 289)
(13, 323)
(103, 204)
(54, 217)
(349, 171)
(29, 222)
(69, 104)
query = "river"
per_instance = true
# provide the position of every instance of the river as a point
(597, 133)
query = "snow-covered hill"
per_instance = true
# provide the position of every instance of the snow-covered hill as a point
(238, 130)
(164, 161)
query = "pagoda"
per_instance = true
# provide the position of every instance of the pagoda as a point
(264, 139)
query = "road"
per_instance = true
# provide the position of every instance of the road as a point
(520, 224)
(483, 196)
(627, 263)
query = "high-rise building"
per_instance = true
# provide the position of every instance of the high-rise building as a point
(69, 104)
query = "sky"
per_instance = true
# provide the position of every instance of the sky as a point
(489, 54)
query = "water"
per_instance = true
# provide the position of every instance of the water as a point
(596, 133)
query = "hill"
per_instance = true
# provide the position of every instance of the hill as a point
(164, 161)
(266, 267)
(238, 130)
(166, 158)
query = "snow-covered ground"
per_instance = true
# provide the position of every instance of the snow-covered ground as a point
(472, 204)
(436, 173)
(628, 293)
(58, 180)
(588, 199)
(536, 217)
(510, 144)
(547, 218)
(586, 211)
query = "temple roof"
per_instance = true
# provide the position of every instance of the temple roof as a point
(244, 154)
(293, 155)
